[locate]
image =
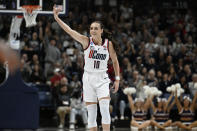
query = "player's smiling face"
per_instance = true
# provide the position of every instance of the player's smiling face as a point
(95, 30)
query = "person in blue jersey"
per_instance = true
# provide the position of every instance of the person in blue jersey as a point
(186, 112)
(139, 112)
(98, 49)
(161, 112)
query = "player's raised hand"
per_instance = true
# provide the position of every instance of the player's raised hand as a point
(56, 10)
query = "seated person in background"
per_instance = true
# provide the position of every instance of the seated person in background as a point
(186, 112)
(63, 103)
(77, 108)
(161, 112)
(122, 99)
(139, 112)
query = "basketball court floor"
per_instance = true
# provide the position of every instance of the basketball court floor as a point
(65, 129)
(82, 129)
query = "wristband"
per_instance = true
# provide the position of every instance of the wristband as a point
(117, 78)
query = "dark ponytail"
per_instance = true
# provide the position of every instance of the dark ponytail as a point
(108, 35)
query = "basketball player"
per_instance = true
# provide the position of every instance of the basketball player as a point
(97, 51)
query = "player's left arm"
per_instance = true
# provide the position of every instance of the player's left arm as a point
(115, 62)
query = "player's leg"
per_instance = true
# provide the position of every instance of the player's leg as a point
(92, 115)
(104, 109)
(103, 94)
(90, 98)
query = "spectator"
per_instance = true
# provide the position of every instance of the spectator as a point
(123, 101)
(184, 84)
(34, 61)
(176, 46)
(52, 56)
(164, 83)
(25, 70)
(190, 45)
(37, 75)
(34, 43)
(139, 65)
(152, 80)
(63, 102)
(77, 108)
(191, 84)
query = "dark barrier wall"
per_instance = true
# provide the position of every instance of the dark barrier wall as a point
(19, 104)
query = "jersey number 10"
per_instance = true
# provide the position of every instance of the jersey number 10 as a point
(96, 64)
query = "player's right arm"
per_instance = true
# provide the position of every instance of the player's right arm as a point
(84, 40)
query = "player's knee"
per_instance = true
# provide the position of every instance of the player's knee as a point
(92, 114)
(104, 109)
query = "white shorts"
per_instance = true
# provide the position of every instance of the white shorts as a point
(95, 86)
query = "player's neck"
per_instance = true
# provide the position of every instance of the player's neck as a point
(97, 40)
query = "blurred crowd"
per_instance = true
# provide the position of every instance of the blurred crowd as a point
(157, 48)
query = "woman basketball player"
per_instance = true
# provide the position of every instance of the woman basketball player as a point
(97, 50)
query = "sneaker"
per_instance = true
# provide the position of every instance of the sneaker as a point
(122, 118)
(72, 126)
(61, 126)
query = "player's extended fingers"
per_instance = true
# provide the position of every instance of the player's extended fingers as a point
(55, 11)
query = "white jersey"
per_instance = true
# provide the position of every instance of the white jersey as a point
(96, 57)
